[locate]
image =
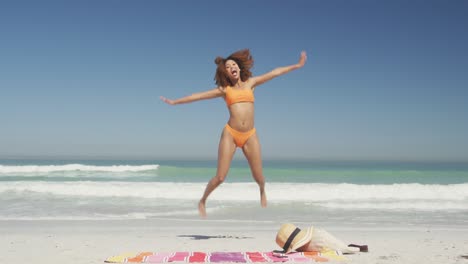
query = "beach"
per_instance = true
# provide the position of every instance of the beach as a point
(94, 241)
(123, 122)
(86, 211)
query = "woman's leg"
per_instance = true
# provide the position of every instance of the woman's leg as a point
(253, 154)
(226, 151)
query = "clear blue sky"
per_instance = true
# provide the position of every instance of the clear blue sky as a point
(383, 80)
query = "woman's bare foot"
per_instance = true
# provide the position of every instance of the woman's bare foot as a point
(263, 199)
(201, 209)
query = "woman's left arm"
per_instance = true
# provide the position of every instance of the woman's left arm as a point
(279, 71)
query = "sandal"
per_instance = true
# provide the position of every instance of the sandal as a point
(363, 248)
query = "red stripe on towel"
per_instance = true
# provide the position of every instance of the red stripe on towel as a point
(197, 257)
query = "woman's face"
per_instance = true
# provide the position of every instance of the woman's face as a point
(232, 69)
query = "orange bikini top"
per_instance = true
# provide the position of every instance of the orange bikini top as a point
(238, 95)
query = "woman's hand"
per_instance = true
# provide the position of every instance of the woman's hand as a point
(303, 59)
(167, 101)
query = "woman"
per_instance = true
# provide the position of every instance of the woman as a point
(236, 85)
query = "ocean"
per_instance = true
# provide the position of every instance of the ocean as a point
(320, 192)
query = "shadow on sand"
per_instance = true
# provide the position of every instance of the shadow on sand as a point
(202, 237)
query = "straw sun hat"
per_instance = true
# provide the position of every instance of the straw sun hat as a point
(290, 238)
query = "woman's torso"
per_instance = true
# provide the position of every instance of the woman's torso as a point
(241, 107)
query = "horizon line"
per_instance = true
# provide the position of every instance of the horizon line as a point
(206, 158)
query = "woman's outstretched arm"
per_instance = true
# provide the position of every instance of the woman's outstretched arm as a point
(279, 71)
(213, 93)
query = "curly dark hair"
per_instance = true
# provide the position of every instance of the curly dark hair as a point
(242, 58)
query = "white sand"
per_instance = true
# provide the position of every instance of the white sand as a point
(93, 241)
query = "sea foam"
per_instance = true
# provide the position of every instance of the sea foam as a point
(4, 169)
(396, 196)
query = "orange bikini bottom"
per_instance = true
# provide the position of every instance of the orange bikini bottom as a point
(240, 137)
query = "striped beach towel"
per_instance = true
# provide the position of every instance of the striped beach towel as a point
(216, 257)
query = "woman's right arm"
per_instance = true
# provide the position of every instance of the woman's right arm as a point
(213, 93)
